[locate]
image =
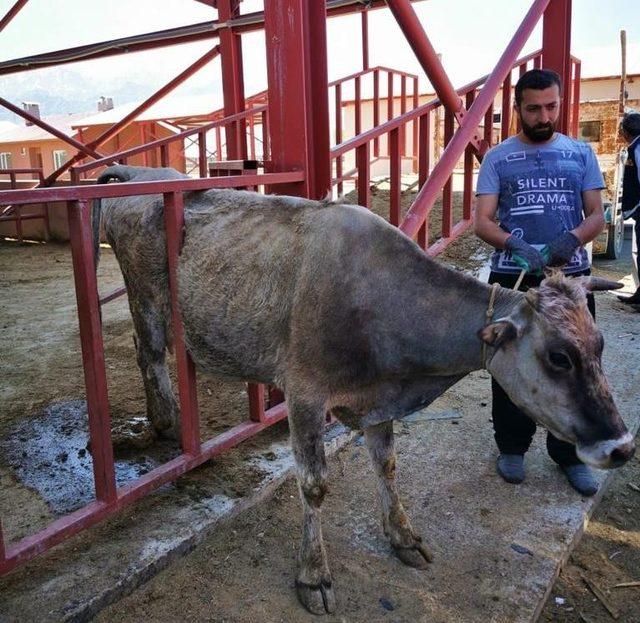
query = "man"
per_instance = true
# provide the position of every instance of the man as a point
(630, 131)
(545, 189)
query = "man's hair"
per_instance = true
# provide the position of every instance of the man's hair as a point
(631, 124)
(538, 79)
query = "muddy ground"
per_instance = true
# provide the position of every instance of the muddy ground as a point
(42, 390)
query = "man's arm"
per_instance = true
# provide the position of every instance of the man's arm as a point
(485, 226)
(594, 222)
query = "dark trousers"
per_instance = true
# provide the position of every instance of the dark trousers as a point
(513, 430)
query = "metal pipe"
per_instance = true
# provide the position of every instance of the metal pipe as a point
(11, 13)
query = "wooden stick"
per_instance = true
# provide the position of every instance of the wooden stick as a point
(626, 585)
(599, 593)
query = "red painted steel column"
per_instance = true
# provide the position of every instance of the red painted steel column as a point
(296, 41)
(575, 117)
(338, 112)
(424, 164)
(395, 166)
(556, 51)
(203, 169)
(174, 225)
(365, 39)
(505, 116)
(95, 377)
(232, 80)
(467, 189)
(358, 107)
(364, 179)
(376, 110)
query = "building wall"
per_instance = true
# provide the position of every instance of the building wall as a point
(46, 148)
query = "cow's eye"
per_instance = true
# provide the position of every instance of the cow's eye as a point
(560, 360)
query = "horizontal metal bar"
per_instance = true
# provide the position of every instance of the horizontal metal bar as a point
(457, 230)
(113, 295)
(93, 191)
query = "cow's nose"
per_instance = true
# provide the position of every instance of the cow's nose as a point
(622, 453)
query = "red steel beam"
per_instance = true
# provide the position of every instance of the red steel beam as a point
(11, 13)
(298, 93)
(365, 39)
(249, 22)
(556, 52)
(232, 79)
(130, 118)
(426, 197)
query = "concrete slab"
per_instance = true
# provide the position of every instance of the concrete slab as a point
(498, 547)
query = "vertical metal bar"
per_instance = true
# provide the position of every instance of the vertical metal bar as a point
(447, 195)
(17, 208)
(403, 109)
(219, 143)
(362, 164)
(174, 225)
(505, 116)
(358, 105)
(424, 164)
(95, 377)
(143, 140)
(232, 79)
(365, 38)
(395, 170)
(265, 136)
(339, 135)
(203, 165)
(45, 211)
(488, 125)
(556, 51)
(467, 189)
(255, 391)
(389, 96)
(522, 69)
(376, 110)
(575, 118)
(414, 127)
(164, 155)
(252, 139)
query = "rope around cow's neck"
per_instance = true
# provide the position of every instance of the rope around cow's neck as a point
(490, 310)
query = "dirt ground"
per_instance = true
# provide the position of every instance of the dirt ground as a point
(41, 367)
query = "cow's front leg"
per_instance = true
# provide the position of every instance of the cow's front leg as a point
(313, 584)
(406, 544)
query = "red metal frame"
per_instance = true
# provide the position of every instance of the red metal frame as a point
(15, 214)
(298, 160)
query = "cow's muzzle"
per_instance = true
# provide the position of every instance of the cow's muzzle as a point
(608, 454)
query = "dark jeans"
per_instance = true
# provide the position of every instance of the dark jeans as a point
(513, 430)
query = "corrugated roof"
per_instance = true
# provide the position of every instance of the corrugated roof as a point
(26, 133)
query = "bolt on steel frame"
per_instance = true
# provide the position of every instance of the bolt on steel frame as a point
(298, 160)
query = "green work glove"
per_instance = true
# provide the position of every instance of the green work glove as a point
(527, 256)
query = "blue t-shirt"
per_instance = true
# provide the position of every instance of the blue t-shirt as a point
(540, 192)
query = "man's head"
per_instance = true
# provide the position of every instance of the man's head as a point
(630, 126)
(538, 103)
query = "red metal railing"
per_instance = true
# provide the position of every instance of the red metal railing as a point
(109, 497)
(15, 214)
(375, 76)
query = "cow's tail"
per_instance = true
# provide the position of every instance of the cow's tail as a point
(112, 174)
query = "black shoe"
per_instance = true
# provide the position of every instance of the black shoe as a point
(511, 468)
(634, 299)
(581, 479)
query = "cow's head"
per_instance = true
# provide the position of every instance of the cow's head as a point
(547, 357)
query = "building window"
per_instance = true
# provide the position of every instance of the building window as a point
(59, 157)
(497, 117)
(5, 160)
(589, 131)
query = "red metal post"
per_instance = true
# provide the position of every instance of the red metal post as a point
(338, 112)
(424, 164)
(298, 98)
(389, 96)
(266, 154)
(95, 377)
(174, 224)
(376, 110)
(256, 401)
(403, 109)
(365, 38)
(358, 107)
(203, 169)
(505, 116)
(447, 194)
(575, 116)
(467, 191)
(232, 80)
(362, 164)
(556, 51)
(395, 170)
(414, 127)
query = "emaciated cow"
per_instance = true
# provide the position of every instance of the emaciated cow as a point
(347, 315)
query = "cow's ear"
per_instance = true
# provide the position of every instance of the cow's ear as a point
(498, 333)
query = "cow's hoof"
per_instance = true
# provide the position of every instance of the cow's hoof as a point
(316, 598)
(417, 555)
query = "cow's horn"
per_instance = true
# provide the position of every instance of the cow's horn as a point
(594, 284)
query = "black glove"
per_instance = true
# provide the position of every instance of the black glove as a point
(561, 249)
(524, 255)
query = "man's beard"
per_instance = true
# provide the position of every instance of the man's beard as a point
(538, 133)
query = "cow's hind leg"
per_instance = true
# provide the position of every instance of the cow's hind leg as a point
(151, 342)
(406, 544)
(313, 583)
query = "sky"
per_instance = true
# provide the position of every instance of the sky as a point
(470, 34)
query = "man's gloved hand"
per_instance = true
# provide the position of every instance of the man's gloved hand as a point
(524, 255)
(561, 249)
